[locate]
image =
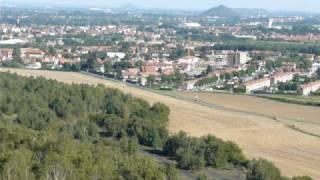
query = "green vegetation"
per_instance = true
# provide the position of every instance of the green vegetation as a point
(270, 46)
(262, 169)
(174, 80)
(303, 100)
(206, 81)
(195, 153)
(50, 130)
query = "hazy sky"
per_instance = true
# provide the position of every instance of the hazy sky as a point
(301, 5)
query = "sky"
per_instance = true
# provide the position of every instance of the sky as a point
(296, 5)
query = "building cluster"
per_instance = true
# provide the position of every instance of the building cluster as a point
(229, 58)
(266, 82)
(160, 52)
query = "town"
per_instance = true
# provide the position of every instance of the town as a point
(261, 54)
(159, 90)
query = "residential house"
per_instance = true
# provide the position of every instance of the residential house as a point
(130, 74)
(187, 64)
(289, 67)
(6, 54)
(116, 56)
(282, 77)
(32, 55)
(188, 85)
(307, 89)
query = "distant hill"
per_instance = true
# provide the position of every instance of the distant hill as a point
(221, 11)
(129, 6)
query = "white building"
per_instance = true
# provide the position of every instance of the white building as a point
(188, 85)
(6, 54)
(13, 42)
(32, 54)
(244, 57)
(219, 58)
(282, 77)
(191, 25)
(116, 55)
(35, 65)
(270, 23)
(246, 37)
(259, 84)
(189, 62)
(315, 67)
(230, 58)
(307, 89)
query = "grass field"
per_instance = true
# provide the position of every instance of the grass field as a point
(267, 136)
(303, 100)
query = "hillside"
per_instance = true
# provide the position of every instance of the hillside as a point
(221, 11)
(258, 136)
(59, 131)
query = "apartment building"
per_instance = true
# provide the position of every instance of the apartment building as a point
(254, 85)
(307, 89)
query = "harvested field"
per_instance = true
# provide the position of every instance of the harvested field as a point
(294, 152)
(306, 118)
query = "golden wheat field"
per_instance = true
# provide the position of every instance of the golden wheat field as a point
(295, 152)
(306, 118)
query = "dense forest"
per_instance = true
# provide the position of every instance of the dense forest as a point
(54, 131)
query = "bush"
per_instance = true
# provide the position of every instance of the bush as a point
(301, 178)
(190, 159)
(263, 170)
(209, 151)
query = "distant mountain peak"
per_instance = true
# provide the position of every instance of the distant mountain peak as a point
(129, 6)
(221, 6)
(221, 11)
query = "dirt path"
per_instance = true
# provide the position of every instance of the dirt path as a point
(295, 153)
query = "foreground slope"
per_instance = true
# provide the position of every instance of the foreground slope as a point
(294, 152)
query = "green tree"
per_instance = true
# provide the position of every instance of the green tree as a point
(188, 159)
(318, 73)
(108, 67)
(215, 152)
(301, 178)
(171, 172)
(151, 80)
(262, 170)
(209, 69)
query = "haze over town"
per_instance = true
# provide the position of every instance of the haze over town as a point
(295, 5)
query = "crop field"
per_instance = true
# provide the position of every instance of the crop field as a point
(291, 114)
(282, 133)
